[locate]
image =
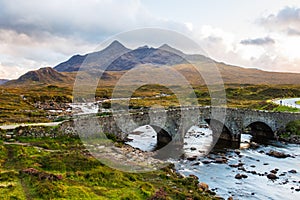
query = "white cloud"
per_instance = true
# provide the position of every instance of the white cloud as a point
(46, 33)
(36, 33)
(286, 20)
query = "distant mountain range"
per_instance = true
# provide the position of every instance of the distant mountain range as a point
(116, 59)
(2, 81)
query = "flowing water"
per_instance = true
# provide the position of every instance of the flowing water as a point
(256, 164)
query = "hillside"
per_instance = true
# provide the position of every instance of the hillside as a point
(46, 75)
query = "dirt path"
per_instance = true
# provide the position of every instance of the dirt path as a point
(13, 126)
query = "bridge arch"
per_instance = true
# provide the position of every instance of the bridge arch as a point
(163, 136)
(260, 130)
(221, 132)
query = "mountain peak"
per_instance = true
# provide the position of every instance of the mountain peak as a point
(44, 75)
(164, 46)
(115, 45)
(143, 47)
(170, 49)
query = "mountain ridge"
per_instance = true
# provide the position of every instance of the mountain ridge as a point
(116, 59)
(95, 60)
(46, 75)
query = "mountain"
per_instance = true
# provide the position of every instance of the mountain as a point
(96, 60)
(117, 59)
(145, 55)
(46, 75)
(2, 81)
(188, 57)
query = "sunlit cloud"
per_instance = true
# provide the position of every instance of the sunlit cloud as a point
(36, 34)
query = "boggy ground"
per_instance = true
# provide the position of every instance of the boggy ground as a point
(61, 168)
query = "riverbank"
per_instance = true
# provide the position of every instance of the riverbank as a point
(61, 167)
(53, 140)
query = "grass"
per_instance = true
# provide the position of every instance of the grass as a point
(285, 109)
(21, 105)
(293, 127)
(81, 175)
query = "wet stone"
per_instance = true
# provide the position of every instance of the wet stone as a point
(293, 171)
(277, 154)
(240, 176)
(272, 176)
(273, 171)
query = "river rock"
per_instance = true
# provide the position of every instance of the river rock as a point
(193, 158)
(261, 151)
(277, 154)
(203, 186)
(266, 164)
(273, 171)
(244, 176)
(240, 176)
(193, 176)
(206, 161)
(220, 160)
(293, 171)
(238, 152)
(236, 165)
(272, 176)
(196, 163)
(242, 169)
(254, 145)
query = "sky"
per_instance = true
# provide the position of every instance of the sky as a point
(262, 34)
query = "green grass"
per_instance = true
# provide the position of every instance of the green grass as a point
(293, 127)
(285, 109)
(19, 105)
(82, 176)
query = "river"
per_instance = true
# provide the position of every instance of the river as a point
(256, 164)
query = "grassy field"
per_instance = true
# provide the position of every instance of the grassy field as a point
(60, 168)
(24, 104)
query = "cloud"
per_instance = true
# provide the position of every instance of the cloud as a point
(293, 32)
(91, 20)
(20, 52)
(36, 33)
(258, 41)
(287, 20)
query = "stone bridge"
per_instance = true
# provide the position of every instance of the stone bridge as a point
(227, 123)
